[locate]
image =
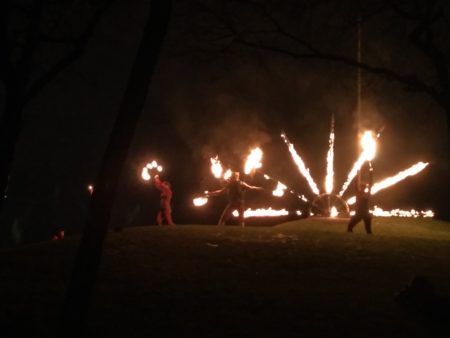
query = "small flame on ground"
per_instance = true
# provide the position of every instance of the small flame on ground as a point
(333, 212)
(377, 211)
(200, 201)
(279, 190)
(253, 161)
(262, 213)
(301, 165)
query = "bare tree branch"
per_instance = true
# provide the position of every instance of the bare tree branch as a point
(79, 43)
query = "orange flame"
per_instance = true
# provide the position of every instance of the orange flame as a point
(279, 190)
(145, 174)
(390, 181)
(330, 171)
(253, 161)
(377, 211)
(216, 167)
(368, 145)
(227, 174)
(200, 201)
(301, 165)
(262, 213)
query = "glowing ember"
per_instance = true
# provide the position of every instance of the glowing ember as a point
(301, 165)
(159, 168)
(401, 213)
(90, 188)
(253, 161)
(200, 201)
(333, 212)
(262, 213)
(330, 160)
(279, 190)
(145, 174)
(216, 167)
(368, 145)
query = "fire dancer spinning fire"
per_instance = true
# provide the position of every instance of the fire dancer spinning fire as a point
(235, 189)
(362, 205)
(165, 210)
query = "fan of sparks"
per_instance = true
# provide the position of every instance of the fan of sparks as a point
(368, 145)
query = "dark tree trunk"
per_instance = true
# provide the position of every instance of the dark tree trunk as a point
(88, 259)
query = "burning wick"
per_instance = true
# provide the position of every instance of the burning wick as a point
(90, 188)
(253, 161)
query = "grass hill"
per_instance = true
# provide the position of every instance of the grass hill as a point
(306, 278)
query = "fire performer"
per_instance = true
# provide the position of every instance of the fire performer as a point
(362, 204)
(165, 210)
(235, 189)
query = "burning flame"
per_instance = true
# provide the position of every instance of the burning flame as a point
(200, 201)
(401, 213)
(330, 160)
(145, 174)
(301, 165)
(390, 181)
(253, 161)
(333, 212)
(279, 190)
(262, 213)
(368, 145)
(216, 167)
(227, 174)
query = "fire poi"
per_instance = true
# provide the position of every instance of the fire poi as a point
(150, 169)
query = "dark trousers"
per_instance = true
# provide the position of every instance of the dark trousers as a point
(355, 219)
(228, 213)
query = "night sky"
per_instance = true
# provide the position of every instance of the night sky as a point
(212, 96)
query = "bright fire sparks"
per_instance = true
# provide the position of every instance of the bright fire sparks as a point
(279, 190)
(200, 201)
(216, 167)
(330, 160)
(301, 165)
(377, 211)
(390, 181)
(253, 161)
(262, 213)
(368, 145)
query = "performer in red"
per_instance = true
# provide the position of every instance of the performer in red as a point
(165, 209)
(235, 189)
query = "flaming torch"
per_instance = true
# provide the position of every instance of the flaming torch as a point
(368, 145)
(216, 167)
(253, 161)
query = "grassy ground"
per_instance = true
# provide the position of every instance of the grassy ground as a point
(306, 278)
